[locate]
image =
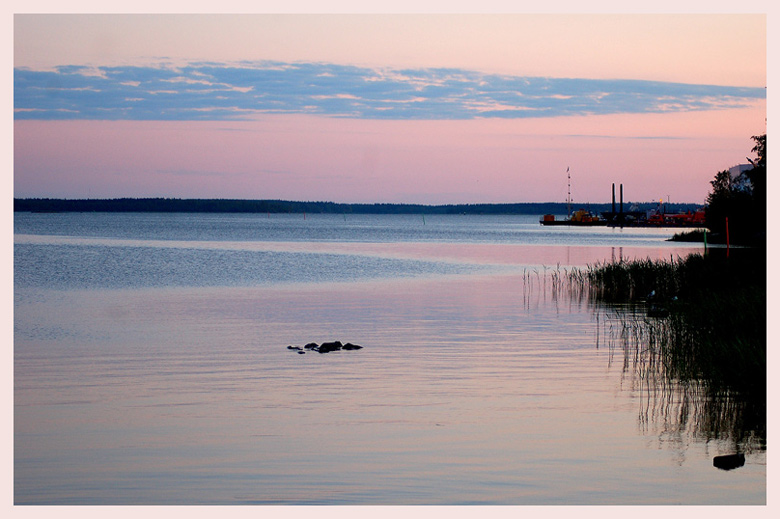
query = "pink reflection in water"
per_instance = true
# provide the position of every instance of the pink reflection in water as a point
(469, 389)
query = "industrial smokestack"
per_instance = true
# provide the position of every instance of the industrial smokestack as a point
(613, 200)
(621, 202)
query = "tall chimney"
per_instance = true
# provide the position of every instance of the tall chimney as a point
(613, 200)
(621, 202)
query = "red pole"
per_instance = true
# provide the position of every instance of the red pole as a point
(727, 237)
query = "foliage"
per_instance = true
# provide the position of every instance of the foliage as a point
(740, 201)
(696, 235)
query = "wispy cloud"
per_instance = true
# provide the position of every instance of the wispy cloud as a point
(219, 91)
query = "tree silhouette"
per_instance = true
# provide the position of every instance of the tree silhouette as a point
(740, 201)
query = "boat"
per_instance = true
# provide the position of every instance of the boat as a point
(578, 218)
(581, 217)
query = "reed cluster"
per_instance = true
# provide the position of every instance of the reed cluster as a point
(695, 322)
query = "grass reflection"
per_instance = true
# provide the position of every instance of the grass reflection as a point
(692, 333)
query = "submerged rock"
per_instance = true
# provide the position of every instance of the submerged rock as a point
(729, 461)
(350, 346)
(312, 346)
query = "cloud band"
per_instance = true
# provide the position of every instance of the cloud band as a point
(218, 91)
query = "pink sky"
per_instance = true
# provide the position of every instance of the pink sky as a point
(310, 157)
(343, 160)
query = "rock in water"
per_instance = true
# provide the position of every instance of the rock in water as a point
(327, 347)
(729, 461)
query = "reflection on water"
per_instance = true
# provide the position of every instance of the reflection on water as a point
(504, 229)
(478, 383)
(677, 409)
(190, 396)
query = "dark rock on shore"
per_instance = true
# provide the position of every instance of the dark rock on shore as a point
(729, 461)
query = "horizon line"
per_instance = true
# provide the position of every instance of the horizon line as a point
(196, 199)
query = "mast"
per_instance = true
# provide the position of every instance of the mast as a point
(568, 198)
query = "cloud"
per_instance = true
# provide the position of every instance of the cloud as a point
(219, 91)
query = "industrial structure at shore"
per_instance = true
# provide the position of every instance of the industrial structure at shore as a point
(618, 217)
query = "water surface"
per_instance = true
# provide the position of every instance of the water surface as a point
(151, 366)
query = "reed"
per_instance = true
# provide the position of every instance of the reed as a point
(696, 324)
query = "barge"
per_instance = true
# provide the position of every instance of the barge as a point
(579, 218)
(657, 217)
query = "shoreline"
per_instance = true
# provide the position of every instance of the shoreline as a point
(178, 205)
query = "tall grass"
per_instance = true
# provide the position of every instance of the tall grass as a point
(710, 340)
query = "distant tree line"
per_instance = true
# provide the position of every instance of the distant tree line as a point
(179, 205)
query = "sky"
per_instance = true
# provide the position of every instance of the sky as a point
(433, 108)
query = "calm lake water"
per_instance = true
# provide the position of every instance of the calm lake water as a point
(151, 367)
